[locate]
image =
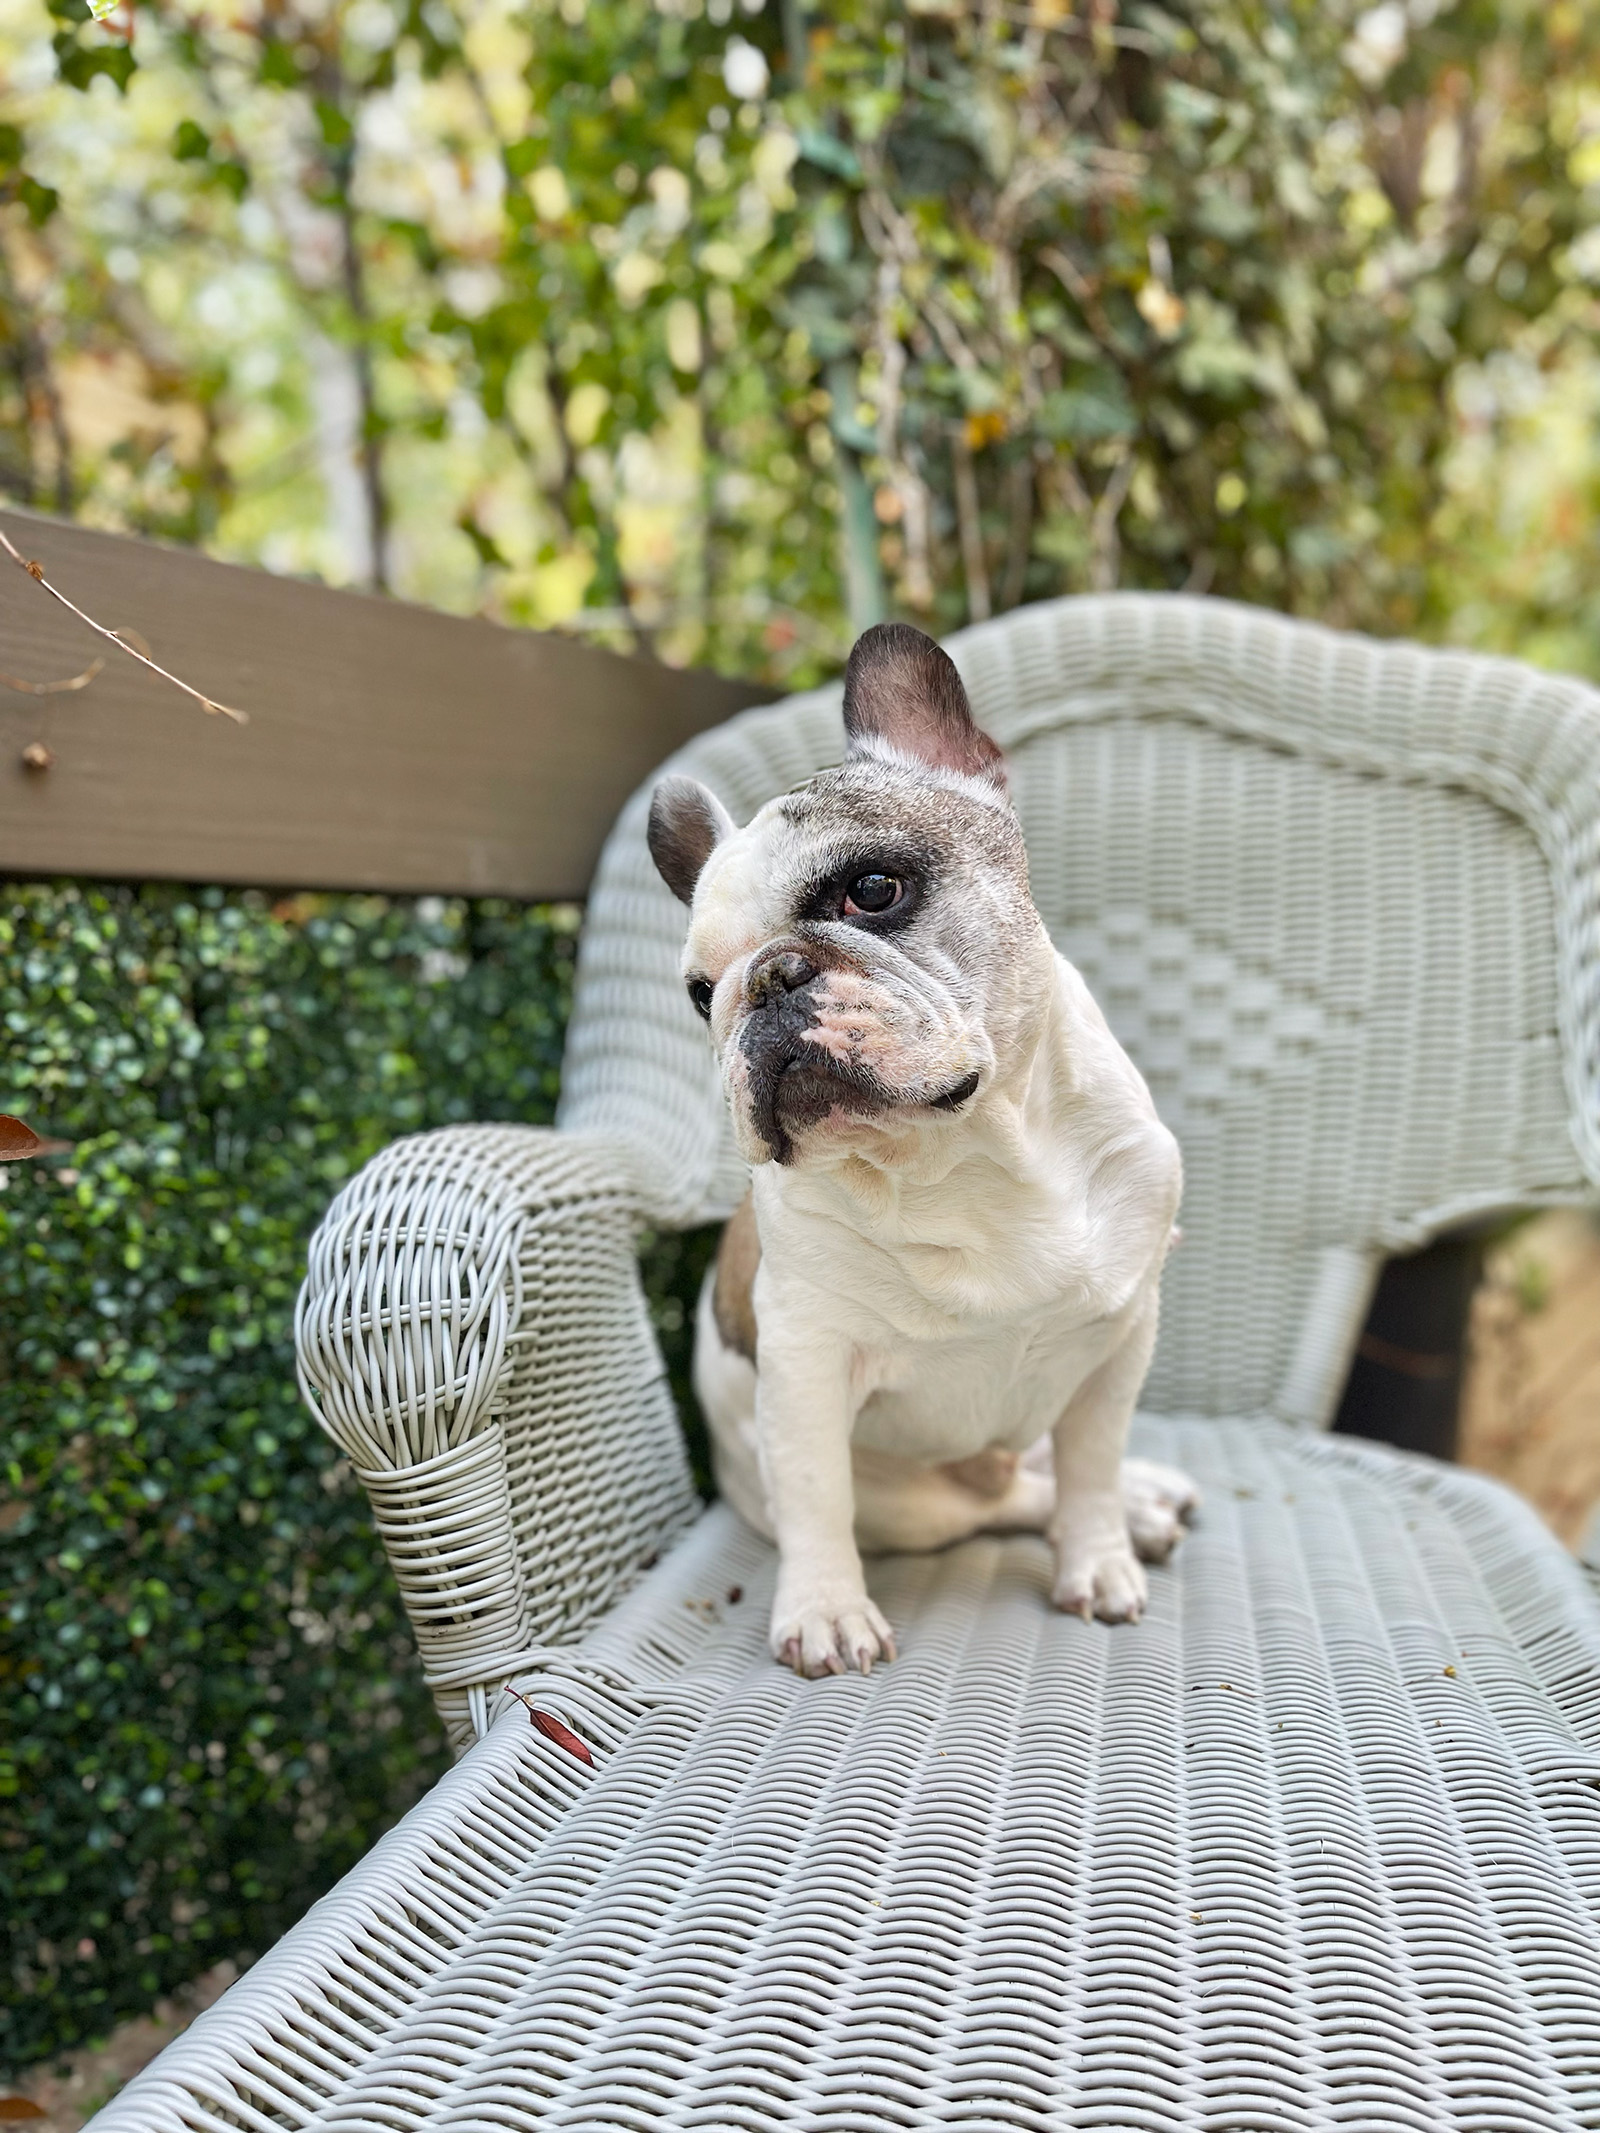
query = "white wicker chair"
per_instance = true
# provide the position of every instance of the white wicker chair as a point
(1318, 1844)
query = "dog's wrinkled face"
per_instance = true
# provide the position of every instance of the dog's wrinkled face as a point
(861, 949)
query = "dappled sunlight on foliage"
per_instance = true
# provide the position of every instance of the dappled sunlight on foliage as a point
(717, 332)
(1513, 559)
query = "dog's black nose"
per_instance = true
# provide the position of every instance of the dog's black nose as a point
(776, 973)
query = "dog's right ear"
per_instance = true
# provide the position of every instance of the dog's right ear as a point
(902, 693)
(686, 824)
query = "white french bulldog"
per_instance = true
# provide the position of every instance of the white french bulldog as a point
(933, 1314)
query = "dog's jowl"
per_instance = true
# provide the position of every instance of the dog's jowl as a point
(934, 1313)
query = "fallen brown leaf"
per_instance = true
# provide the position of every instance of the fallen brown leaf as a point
(17, 1140)
(553, 1729)
(563, 1736)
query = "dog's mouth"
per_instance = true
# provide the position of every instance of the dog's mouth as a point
(954, 1097)
(794, 1088)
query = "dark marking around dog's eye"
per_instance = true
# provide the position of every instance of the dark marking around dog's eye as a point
(872, 893)
(700, 991)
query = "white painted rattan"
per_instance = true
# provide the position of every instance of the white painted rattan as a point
(473, 1334)
(1318, 1844)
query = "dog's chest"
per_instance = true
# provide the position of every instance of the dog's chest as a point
(941, 1400)
(979, 1258)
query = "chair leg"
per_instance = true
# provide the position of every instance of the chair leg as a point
(1404, 1386)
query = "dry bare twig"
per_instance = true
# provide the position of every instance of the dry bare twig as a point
(54, 688)
(36, 572)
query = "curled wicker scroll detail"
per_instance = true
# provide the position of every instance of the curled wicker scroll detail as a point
(412, 1289)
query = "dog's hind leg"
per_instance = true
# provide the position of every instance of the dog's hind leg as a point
(897, 1505)
(902, 1506)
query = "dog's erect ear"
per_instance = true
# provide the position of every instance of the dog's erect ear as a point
(902, 692)
(686, 823)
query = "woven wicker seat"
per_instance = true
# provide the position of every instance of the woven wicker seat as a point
(1317, 1844)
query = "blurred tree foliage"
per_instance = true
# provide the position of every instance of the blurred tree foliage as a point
(718, 327)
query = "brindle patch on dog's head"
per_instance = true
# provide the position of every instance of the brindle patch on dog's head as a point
(862, 949)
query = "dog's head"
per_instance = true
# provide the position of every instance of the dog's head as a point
(862, 950)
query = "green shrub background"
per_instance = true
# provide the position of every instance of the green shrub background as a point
(211, 1700)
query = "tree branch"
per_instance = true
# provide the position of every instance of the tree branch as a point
(974, 568)
(355, 289)
(1019, 539)
(1105, 541)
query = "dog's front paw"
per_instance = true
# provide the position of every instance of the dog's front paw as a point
(1097, 1572)
(828, 1631)
(1159, 1502)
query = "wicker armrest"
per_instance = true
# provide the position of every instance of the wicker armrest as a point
(473, 1334)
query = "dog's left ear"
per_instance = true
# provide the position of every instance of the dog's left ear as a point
(901, 692)
(687, 823)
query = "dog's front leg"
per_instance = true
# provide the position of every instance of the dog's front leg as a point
(1097, 1570)
(822, 1620)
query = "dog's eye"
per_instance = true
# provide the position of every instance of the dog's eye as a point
(872, 893)
(700, 991)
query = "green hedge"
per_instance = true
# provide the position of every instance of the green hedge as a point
(212, 1705)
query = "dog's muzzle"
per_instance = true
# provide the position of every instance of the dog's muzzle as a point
(788, 1085)
(792, 1084)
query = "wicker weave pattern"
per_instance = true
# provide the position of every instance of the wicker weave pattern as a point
(1263, 1862)
(472, 1332)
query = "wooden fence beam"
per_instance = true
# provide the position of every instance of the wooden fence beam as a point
(388, 747)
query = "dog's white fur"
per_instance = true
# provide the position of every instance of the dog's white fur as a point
(974, 1287)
